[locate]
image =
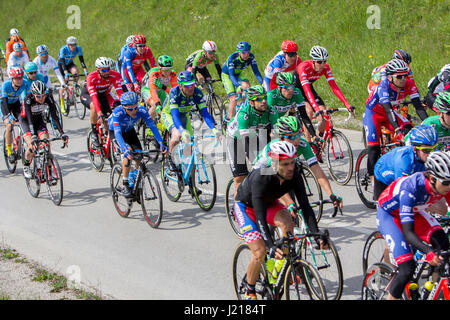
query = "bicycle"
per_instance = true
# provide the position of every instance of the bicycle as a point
(106, 149)
(214, 102)
(18, 148)
(45, 169)
(297, 279)
(48, 119)
(193, 171)
(240, 100)
(145, 190)
(379, 276)
(72, 96)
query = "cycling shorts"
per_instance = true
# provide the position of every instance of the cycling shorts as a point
(313, 91)
(166, 119)
(14, 107)
(68, 67)
(40, 127)
(236, 157)
(139, 74)
(229, 86)
(130, 137)
(106, 100)
(145, 92)
(245, 216)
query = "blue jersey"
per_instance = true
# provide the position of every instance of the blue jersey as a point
(120, 122)
(12, 95)
(235, 65)
(39, 77)
(68, 55)
(399, 162)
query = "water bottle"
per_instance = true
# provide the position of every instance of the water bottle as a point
(270, 264)
(413, 290)
(132, 177)
(426, 290)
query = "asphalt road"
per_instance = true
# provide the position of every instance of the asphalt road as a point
(187, 257)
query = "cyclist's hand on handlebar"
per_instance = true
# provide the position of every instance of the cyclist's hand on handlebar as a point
(352, 109)
(337, 201)
(276, 253)
(163, 149)
(65, 138)
(127, 154)
(433, 259)
(137, 89)
(100, 118)
(34, 142)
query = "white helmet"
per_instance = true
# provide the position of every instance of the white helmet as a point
(13, 32)
(17, 46)
(438, 163)
(71, 40)
(318, 53)
(38, 88)
(129, 40)
(396, 66)
(102, 62)
(209, 46)
(42, 48)
(280, 150)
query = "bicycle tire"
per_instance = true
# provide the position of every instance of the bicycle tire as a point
(169, 178)
(80, 109)
(10, 166)
(95, 156)
(114, 153)
(363, 182)
(303, 282)
(374, 250)
(200, 177)
(225, 108)
(216, 105)
(34, 183)
(54, 168)
(122, 204)
(375, 281)
(313, 190)
(336, 154)
(151, 194)
(229, 210)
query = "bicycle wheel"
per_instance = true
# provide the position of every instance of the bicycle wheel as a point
(313, 191)
(375, 251)
(34, 183)
(339, 157)
(80, 109)
(303, 282)
(122, 204)
(10, 166)
(241, 259)
(95, 154)
(151, 200)
(204, 184)
(54, 181)
(170, 182)
(375, 282)
(216, 106)
(114, 153)
(328, 264)
(229, 208)
(363, 182)
(224, 111)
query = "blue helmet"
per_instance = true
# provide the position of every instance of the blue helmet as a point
(129, 98)
(185, 78)
(31, 67)
(423, 135)
(243, 46)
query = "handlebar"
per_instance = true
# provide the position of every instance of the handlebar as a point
(139, 155)
(333, 110)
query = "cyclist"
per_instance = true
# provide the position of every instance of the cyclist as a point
(121, 128)
(404, 161)
(198, 61)
(248, 131)
(32, 74)
(309, 71)
(439, 83)
(97, 94)
(67, 66)
(257, 206)
(380, 106)
(403, 222)
(45, 63)
(14, 38)
(157, 84)
(14, 91)
(133, 58)
(128, 43)
(288, 128)
(231, 73)
(32, 121)
(285, 60)
(175, 113)
(17, 58)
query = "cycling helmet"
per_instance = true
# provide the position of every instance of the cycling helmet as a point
(31, 67)
(129, 98)
(38, 88)
(285, 79)
(42, 49)
(280, 150)
(243, 46)
(14, 32)
(185, 78)
(102, 62)
(438, 162)
(255, 91)
(112, 63)
(423, 135)
(442, 102)
(209, 46)
(139, 39)
(396, 66)
(71, 40)
(289, 46)
(17, 46)
(318, 53)
(402, 55)
(129, 40)
(16, 72)
(288, 125)
(165, 62)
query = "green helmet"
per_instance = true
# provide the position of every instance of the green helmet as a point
(288, 125)
(285, 79)
(255, 91)
(165, 62)
(442, 102)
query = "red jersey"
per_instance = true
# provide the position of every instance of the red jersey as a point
(96, 84)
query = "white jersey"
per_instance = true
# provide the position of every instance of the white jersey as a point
(15, 61)
(44, 69)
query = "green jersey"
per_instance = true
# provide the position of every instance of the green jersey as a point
(198, 59)
(304, 149)
(443, 132)
(281, 104)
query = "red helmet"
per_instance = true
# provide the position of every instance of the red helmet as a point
(139, 39)
(16, 72)
(289, 46)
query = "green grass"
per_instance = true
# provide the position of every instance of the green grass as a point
(178, 28)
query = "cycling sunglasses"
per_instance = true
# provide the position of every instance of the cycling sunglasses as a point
(34, 72)
(444, 182)
(40, 95)
(105, 70)
(401, 76)
(320, 62)
(427, 149)
(140, 45)
(292, 136)
(291, 87)
(260, 98)
(131, 108)
(291, 54)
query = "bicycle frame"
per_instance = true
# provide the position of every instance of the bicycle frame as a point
(329, 129)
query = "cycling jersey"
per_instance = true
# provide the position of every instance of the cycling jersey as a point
(12, 99)
(399, 162)
(44, 69)
(440, 82)
(67, 56)
(379, 73)
(132, 64)
(39, 77)
(277, 64)
(306, 76)
(154, 82)
(9, 48)
(98, 85)
(234, 66)
(15, 61)
(443, 132)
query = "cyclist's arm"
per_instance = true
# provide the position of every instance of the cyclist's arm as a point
(175, 113)
(57, 72)
(306, 120)
(258, 189)
(421, 112)
(151, 124)
(322, 179)
(256, 71)
(206, 116)
(219, 69)
(94, 96)
(26, 115)
(334, 87)
(128, 65)
(118, 132)
(153, 88)
(83, 65)
(151, 59)
(173, 81)
(54, 114)
(390, 115)
(303, 202)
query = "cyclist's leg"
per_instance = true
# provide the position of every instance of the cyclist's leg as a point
(231, 92)
(73, 69)
(279, 216)
(15, 111)
(372, 123)
(238, 163)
